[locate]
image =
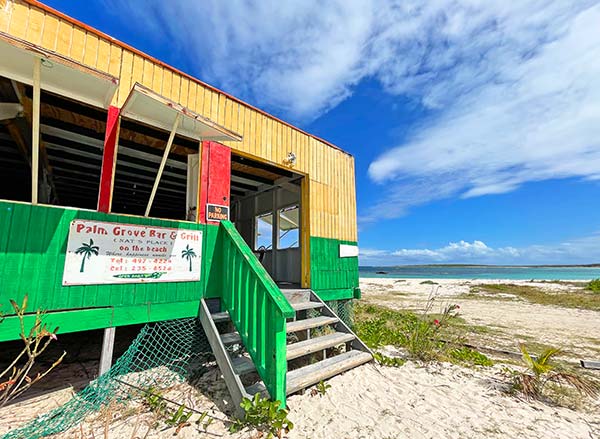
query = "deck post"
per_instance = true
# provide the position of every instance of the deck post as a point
(163, 163)
(35, 130)
(109, 160)
(108, 343)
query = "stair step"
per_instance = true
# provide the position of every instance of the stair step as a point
(242, 365)
(255, 388)
(296, 350)
(231, 338)
(220, 316)
(315, 322)
(308, 375)
(301, 306)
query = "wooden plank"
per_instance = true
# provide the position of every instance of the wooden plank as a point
(35, 26)
(312, 345)
(90, 56)
(18, 19)
(163, 163)
(184, 94)
(234, 385)
(106, 355)
(103, 61)
(315, 322)
(77, 44)
(243, 365)
(587, 364)
(35, 130)
(306, 376)
(148, 74)
(231, 338)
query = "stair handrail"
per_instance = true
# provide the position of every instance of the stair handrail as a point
(257, 308)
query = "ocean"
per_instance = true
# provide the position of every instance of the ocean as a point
(482, 272)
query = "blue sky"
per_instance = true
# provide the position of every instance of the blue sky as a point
(475, 125)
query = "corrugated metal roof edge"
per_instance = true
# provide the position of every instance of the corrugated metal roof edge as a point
(101, 34)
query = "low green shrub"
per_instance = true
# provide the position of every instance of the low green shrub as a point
(264, 415)
(465, 355)
(594, 285)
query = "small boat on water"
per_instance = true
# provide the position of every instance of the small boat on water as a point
(381, 272)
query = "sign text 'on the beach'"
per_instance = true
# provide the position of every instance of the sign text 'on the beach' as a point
(110, 253)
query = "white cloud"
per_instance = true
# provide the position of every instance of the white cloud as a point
(577, 251)
(512, 88)
(522, 107)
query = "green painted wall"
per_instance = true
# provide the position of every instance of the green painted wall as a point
(332, 277)
(33, 242)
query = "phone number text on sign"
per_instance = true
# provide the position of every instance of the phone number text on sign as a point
(111, 253)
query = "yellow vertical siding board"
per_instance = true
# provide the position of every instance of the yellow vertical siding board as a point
(221, 110)
(18, 20)
(235, 117)
(214, 106)
(52, 33)
(114, 65)
(260, 135)
(103, 61)
(252, 133)
(35, 26)
(64, 39)
(148, 74)
(227, 118)
(191, 99)
(90, 56)
(185, 92)
(268, 137)
(157, 79)
(77, 44)
(5, 12)
(125, 76)
(137, 72)
(167, 82)
(206, 108)
(200, 100)
(175, 87)
(246, 129)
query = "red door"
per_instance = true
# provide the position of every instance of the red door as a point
(214, 183)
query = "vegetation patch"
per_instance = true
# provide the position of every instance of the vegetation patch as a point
(424, 337)
(544, 378)
(594, 286)
(568, 299)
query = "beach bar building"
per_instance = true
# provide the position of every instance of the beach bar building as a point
(131, 192)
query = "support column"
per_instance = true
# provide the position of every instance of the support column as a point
(109, 160)
(108, 343)
(35, 130)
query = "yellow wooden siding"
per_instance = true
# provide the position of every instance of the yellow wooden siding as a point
(331, 172)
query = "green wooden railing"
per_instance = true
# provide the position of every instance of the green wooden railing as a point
(257, 308)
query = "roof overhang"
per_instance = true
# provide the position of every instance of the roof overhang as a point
(59, 75)
(150, 108)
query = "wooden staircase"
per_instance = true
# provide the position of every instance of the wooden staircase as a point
(319, 346)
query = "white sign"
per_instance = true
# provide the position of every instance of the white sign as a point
(113, 253)
(348, 251)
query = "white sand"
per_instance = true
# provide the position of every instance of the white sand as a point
(577, 331)
(437, 401)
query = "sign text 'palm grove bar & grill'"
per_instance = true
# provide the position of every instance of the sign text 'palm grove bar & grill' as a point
(110, 253)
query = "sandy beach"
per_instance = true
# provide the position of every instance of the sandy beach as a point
(436, 400)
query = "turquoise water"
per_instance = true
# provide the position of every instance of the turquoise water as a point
(482, 272)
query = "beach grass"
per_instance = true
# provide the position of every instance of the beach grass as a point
(580, 299)
(380, 326)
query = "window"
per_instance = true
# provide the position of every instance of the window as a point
(263, 231)
(289, 227)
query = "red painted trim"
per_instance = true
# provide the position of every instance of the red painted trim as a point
(126, 46)
(215, 177)
(109, 157)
